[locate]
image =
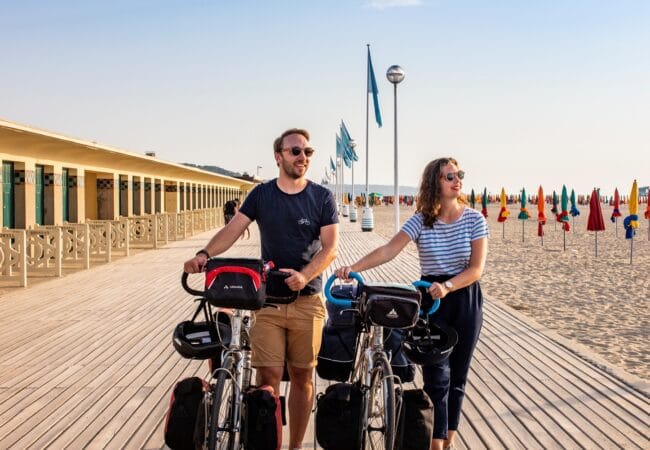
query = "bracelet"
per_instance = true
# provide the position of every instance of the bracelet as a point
(203, 252)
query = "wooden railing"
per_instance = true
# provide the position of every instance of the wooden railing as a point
(47, 250)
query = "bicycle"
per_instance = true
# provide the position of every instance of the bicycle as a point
(372, 371)
(222, 415)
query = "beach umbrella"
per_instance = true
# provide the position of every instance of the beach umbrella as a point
(616, 213)
(563, 217)
(503, 212)
(554, 209)
(472, 199)
(541, 216)
(524, 215)
(574, 209)
(631, 222)
(596, 222)
(484, 202)
(647, 214)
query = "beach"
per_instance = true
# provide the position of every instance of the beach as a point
(599, 302)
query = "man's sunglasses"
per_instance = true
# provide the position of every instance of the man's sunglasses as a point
(295, 151)
(449, 176)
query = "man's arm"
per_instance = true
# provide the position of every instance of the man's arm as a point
(329, 237)
(219, 243)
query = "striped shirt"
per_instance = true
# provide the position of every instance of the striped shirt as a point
(445, 248)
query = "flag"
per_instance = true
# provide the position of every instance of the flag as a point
(372, 88)
(341, 152)
(332, 165)
(346, 139)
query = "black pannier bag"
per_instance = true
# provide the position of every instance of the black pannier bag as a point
(391, 305)
(182, 413)
(415, 421)
(262, 423)
(337, 352)
(235, 283)
(277, 290)
(402, 367)
(339, 340)
(338, 417)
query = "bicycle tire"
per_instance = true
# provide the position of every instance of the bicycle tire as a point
(380, 422)
(223, 417)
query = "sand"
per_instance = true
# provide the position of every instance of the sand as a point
(600, 302)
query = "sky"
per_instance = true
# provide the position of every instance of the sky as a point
(521, 93)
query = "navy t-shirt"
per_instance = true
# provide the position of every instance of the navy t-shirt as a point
(290, 224)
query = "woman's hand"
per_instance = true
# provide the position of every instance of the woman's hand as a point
(438, 290)
(343, 272)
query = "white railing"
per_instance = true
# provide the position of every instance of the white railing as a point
(46, 250)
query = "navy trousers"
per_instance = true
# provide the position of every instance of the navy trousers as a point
(445, 382)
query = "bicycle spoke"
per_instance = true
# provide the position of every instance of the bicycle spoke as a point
(380, 430)
(222, 430)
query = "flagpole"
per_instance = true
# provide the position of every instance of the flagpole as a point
(367, 199)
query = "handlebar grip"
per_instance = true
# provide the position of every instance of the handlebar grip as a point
(338, 301)
(436, 301)
(188, 289)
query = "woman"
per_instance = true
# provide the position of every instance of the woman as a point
(452, 244)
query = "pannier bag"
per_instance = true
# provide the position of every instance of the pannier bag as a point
(338, 316)
(235, 283)
(402, 367)
(277, 290)
(415, 421)
(391, 305)
(337, 352)
(262, 424)
(182, 413)
(338, 417)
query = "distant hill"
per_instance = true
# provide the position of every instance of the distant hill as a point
(383, 189)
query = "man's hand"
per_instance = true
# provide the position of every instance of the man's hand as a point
(343, 272)
(296, 281)
(196, 264)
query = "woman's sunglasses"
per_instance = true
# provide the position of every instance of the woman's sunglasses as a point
(449, 176)
(295, 151)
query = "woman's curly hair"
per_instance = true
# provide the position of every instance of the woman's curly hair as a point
(428, 202)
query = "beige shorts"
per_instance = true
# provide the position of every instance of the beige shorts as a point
(290, 332)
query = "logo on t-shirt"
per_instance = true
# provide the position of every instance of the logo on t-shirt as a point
(304, 221)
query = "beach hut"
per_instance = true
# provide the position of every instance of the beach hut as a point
(631, 222)
(595, 222)
(541, 215)
(503, 213)
(524, 215)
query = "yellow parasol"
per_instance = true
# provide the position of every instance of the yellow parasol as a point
(541, 215)
(503, 213)
(631, 222)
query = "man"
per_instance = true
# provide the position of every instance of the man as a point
(298, 225)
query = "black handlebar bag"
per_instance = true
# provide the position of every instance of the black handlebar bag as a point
(390, 305)
(235, 283)
(277, 290)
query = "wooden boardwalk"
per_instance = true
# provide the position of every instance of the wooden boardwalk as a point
(86, 362)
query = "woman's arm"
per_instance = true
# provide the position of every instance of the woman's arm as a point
(378, 256)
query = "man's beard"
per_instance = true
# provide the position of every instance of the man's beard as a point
(290, 170)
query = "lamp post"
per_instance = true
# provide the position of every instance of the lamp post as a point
(258, 170)
(353, 207)
(395, 75)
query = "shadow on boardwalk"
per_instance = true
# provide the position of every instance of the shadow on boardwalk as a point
(86, 361)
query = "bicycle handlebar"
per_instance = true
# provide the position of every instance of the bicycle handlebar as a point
(338, 301)
(188, 289)
(436, 301)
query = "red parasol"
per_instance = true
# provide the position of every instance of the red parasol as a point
(616, 213)
(596, 222)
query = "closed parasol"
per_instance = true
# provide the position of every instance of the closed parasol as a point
(563, 217)
(574, 209)
(484, 203)
(503, 212)
(541, 215)
(631, 222)
(596, 222)
(524, 215)
(616, 213)
(472, 199)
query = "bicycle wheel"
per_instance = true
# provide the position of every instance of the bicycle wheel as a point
(379, 430)
(224, 420)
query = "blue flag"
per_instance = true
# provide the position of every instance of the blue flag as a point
(332, 165)
(346, 140)
(372, 87)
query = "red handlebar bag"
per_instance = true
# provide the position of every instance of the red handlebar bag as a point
(235, 283)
